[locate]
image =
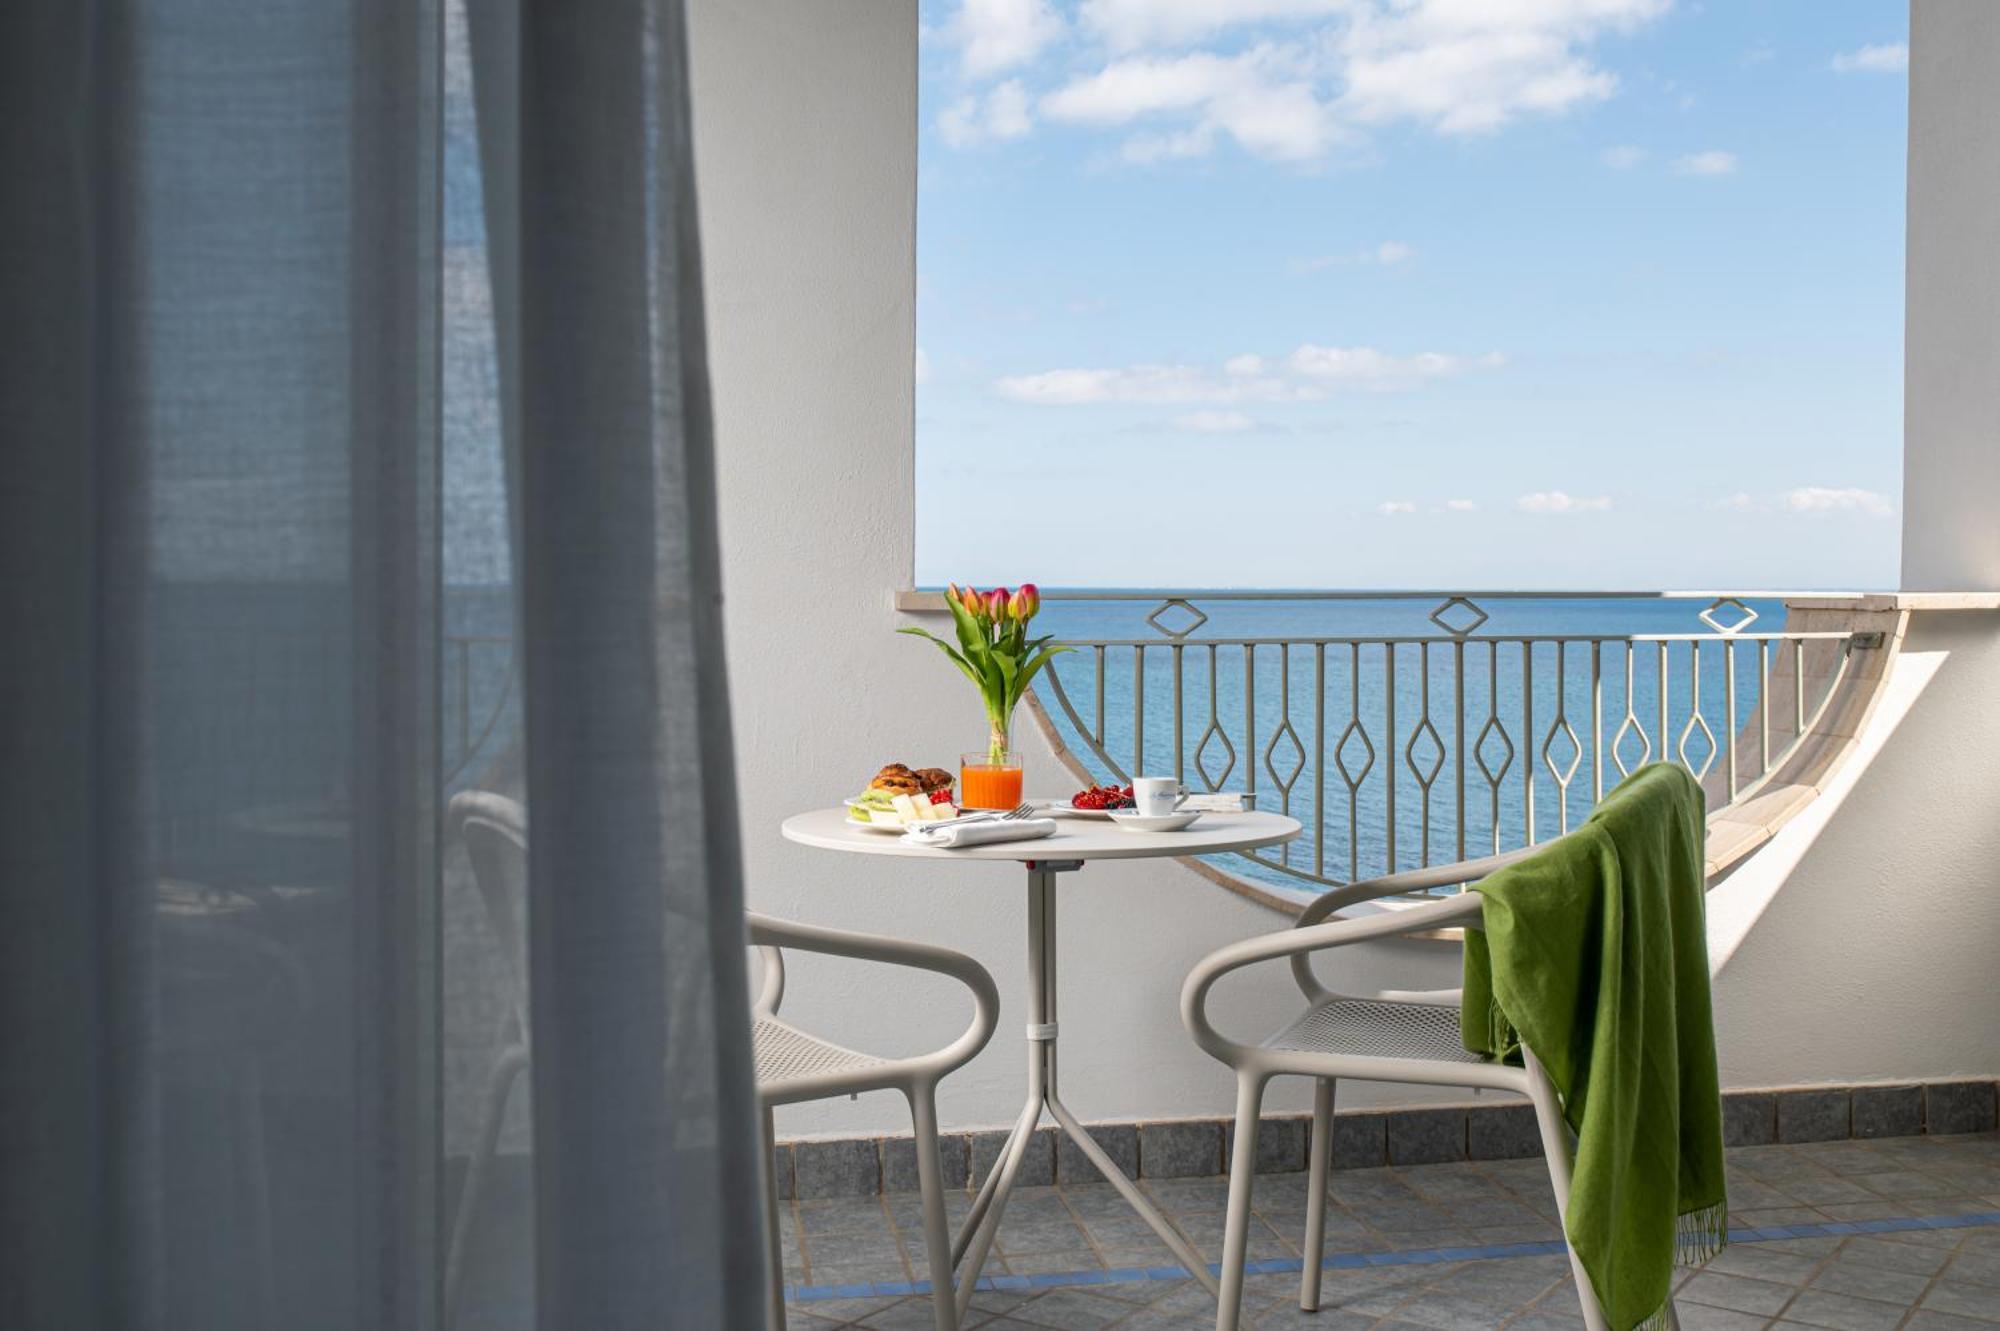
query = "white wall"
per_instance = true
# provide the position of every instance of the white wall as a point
(1864, 947)
(1860, 944)
(806, 144)
(1951, 446)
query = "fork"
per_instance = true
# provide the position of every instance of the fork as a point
(984, 816)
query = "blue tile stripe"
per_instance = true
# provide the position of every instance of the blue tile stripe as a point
(1354, 1261)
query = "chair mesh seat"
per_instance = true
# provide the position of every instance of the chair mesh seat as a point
(1372, 1029)
(786, 1053)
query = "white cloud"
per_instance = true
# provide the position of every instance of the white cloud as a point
(1624, 157)
(1828, 499)
(923, 368)
(1365, 365)
(1263, 98)
(1000, 115)
(1465, 67)
(1215, 422)
(1888, 58)
(1388, 254)
(1128, 25)
(1310, 373)
(1389, 508)
(1555, 501)
(1714, 162)
(1452, 66)
(1459, 505)
(1166, 384)
(996, 35)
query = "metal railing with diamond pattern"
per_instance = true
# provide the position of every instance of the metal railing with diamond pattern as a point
(1405, 747)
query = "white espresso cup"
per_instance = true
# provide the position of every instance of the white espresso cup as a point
(1156, 796)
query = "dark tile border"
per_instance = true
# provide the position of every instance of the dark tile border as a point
(1750, 1118)
(1959, 1106)
(1816, 1115)
(1427, 1136)
(1888, 1111)
(1363, 1139)
(1119, 1140)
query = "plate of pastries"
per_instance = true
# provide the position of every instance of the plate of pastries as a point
(900, 795)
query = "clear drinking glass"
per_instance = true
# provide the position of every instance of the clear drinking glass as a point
(987, 781)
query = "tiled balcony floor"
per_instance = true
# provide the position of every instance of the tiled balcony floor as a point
(1848, 1235)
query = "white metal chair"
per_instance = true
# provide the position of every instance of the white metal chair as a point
(1388, 1036)
(792, 1065)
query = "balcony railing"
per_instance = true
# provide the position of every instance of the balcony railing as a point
(1403, 729)
(1408, 729)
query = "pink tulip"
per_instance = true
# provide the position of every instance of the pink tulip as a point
(996, 604)
(1027, 602)
(1017, 605)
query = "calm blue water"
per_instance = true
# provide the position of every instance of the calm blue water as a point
(1282, 720)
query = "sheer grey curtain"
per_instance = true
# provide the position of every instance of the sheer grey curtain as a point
(232, 604)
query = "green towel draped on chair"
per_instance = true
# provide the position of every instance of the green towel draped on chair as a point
(1595, 957)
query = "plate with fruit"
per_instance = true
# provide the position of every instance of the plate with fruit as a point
(900, 796)
(1095, 802)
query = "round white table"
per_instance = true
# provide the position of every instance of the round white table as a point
(1075, 841)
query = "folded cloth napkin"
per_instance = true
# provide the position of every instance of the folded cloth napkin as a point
(985, 832)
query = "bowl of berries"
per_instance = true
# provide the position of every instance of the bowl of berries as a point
(1095, 802)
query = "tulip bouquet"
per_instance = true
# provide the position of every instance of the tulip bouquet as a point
(995, 652)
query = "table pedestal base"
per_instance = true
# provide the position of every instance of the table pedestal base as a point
(975, 1241)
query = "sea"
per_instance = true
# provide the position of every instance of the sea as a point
(1396, 743)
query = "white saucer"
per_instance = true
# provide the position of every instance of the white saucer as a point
(1163, 822)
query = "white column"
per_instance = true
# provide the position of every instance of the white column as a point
(1951, 445)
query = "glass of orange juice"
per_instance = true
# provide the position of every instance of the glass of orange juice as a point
(986, 782)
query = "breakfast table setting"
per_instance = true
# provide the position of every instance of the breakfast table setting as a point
(982, 814)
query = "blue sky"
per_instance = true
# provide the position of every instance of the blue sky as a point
(1423, 293)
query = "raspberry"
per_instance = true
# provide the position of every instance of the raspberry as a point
(1102, 797)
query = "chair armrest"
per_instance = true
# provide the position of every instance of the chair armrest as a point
(771, 989)
(1395, 884)
(772, 934)
(1299, 943)
(1401, 884)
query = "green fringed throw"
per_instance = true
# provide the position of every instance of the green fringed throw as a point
(1595, 956)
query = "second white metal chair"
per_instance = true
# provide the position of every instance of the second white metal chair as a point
(792, 1065)
(1388, 1036)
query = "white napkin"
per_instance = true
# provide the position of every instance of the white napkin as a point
(982, 833)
